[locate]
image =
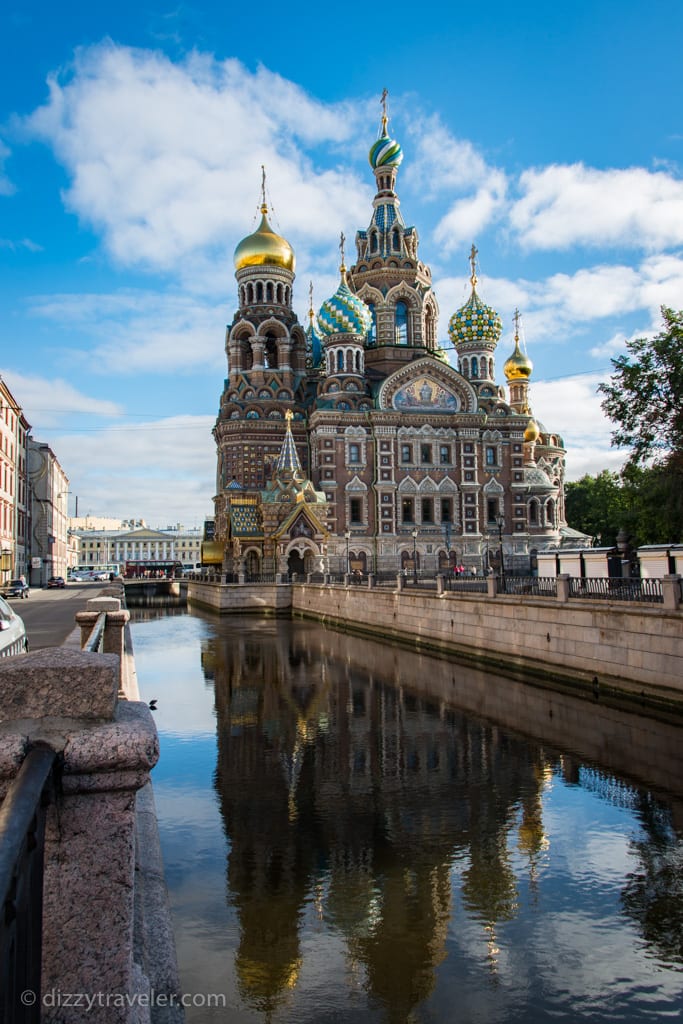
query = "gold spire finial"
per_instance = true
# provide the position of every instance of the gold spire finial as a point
(342, 239)
(311, 314)
(474, 252)
(289, 416)
(516, 319)
(264, 205)
(385, 118)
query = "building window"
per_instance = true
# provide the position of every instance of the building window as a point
(446, 510)
(372, 333)
(356, 511)
(491, 510)
(427, 510)
(408, 510)
(406, 453)
(445, 454)
(490, 456)
(425, 453)
(533, 513)
(401, 321)
(354, 453)
(468, 448)
(469, 476)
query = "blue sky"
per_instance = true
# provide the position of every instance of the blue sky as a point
(131, 141)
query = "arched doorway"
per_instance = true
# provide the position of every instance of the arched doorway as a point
(295, 563)
(252, 564)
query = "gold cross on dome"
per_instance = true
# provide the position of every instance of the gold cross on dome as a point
(474, 252)
(516, 319)
(341, 246)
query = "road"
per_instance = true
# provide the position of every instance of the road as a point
(50, 615)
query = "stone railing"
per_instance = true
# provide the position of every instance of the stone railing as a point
(73, 701)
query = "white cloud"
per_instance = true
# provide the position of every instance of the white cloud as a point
(571, 407)
(49, 402)
(161, 471)
(565, 205)
(140, 331)
(166, 158)
(6, 186)
(23, 243)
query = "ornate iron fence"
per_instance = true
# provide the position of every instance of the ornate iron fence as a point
(612, 588)
(535, 586)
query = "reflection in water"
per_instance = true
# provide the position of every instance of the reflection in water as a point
(373, 796)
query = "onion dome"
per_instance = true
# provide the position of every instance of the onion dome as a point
(264, 247)
(385, 152)
(532, 432)
(344, 312)
(475, 322)
(518, 366)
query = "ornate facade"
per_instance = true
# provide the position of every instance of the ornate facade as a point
(355, 443)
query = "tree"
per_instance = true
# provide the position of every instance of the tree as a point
(597, 505)
(645, 395)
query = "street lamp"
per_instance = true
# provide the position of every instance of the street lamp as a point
(348, 561)
(414, 534)
(500, 521)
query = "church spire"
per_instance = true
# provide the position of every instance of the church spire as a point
(288, 462)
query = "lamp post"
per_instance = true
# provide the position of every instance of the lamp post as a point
(500, 521)
(414, 534)
(348, 560)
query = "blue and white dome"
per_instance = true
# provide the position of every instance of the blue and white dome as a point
(344, 312)
(385, 152)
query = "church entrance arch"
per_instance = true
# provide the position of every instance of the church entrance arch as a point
(296, 563)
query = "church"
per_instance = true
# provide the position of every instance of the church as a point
(354, 444)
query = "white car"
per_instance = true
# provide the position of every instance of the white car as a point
(13, 639)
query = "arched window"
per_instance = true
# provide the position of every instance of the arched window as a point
(430, 328)
(401, 321)
(279, 294)
(349, 361)
(374, 242)
(250, 294)
(340, 361)
(395, 240)
(269, 292)
(259, 292)
(475, 367)
(358, 370)
(372, 333)
(270, 352)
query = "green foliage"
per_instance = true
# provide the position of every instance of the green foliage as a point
(597, 505)
(646, 502)
(644, 397)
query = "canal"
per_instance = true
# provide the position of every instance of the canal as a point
(360, 833)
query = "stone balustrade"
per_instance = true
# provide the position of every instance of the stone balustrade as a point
(71, 700)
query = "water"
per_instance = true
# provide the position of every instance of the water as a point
(358, 833)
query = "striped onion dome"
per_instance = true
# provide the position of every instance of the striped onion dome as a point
(344, 312)
(385, 152)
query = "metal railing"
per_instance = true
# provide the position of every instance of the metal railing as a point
(95, 642)
(22, 841)
(535, 586)
(613, 588)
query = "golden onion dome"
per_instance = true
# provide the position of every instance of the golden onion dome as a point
(264, 248)
(518, 366)
(532, 432)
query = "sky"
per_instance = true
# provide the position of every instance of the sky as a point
(131, 143)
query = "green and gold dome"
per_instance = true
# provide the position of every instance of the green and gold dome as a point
(475, 322)
(264, 248)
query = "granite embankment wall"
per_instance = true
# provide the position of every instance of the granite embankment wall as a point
(622, 645)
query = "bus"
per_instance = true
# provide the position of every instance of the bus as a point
(94, 570)
(153, 568)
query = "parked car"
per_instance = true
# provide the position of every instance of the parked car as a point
(13, 639)
(56, 581)
(16, 588)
